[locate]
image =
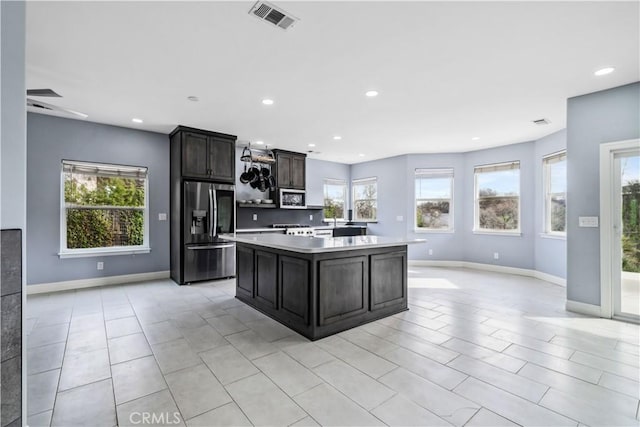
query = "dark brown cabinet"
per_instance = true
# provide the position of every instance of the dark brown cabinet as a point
(205, 155)
(266, 264)
(290, 169)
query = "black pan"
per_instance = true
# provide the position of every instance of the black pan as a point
(245, 177)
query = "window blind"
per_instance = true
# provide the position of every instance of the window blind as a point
(555, 157)
(364, 181)
(434, 173)
(497, 167)
(100, 169)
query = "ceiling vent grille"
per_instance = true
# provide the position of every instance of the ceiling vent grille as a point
(542, 121)
(272, 14)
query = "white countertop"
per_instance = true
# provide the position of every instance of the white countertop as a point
(258, 230)
(306, 244)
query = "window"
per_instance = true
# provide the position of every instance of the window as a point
(365, 199)
(555, 189)
(434, 198)
(335, 195)
(497, 204)
(104, 209)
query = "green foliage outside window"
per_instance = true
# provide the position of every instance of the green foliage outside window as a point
(104, 211)
(631, 227)
(333, 209)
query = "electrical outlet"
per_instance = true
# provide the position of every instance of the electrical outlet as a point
(310, 217)
(162, 217)
(430, 251)
(399, 218)
(255, 217)
(100, 265)
(496, 255)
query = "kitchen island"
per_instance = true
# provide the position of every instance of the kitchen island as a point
(322, 286)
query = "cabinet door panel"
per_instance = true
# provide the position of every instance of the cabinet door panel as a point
(294, 288)
(344, 288)
(283, 179)
(222, 159)
(298, 172)
(267, 278)
(388, 281)
(245, 271)
(194, 155)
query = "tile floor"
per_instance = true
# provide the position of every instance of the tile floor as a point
(475, 349)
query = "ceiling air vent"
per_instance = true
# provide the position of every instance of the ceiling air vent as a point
(541, 122)
(272, 14)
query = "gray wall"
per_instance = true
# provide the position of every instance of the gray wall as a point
(317, 172)
(514, 251)
(606, 116)
(52, 139)
(396, 198)
(13, 128)
(392, 193)
(550, 253)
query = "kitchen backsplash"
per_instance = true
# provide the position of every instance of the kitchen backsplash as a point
(266, 217)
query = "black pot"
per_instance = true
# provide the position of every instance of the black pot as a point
(245, 176)
(265, 172)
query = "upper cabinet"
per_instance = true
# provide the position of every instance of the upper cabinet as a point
(290, 169)
(204, 154)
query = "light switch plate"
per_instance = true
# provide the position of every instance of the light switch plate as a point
(162, 217)
(255, 217)
(399, 218)
(588, 221)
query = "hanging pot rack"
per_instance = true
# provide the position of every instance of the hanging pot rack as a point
(254, 155)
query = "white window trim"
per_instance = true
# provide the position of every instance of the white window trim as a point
(476, 205)
(358, 181)
(434, 171)
(546, 184)
(334, 181)
(109, 251)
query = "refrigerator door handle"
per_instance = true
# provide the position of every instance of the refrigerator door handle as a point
(214, 197)
(211, 214)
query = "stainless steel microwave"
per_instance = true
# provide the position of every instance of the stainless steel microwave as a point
(293, 199)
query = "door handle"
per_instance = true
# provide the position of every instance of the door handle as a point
(198, 248)
(214, 197)
(212, 214)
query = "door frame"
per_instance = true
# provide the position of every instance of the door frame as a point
(608, 151)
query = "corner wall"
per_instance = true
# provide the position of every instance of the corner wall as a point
(13, 204)
(605, 116)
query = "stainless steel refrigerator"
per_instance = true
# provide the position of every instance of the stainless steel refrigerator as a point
(208, 212)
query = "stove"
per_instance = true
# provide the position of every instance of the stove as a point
(296, 229)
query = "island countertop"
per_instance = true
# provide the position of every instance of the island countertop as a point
(305, 244)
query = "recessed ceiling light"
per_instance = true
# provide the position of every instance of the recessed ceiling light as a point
(259, 142)
(371, 93)
(267, 101)
(475, 138)
(136, 120)
(604, 71)
(337, 137)
(361, 155)
(312, 145)
(193, 98)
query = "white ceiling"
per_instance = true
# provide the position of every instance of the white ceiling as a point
(446, 71)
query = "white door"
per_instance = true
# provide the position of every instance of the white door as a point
(620, 232)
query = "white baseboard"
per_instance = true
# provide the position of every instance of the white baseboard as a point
(583, 308)
(96, 281)
(491, 267)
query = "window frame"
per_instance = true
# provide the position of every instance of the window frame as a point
(546, 186)
(335, 181)
(363, 181)
(477, 170)
(65, 252)
(432, 173)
